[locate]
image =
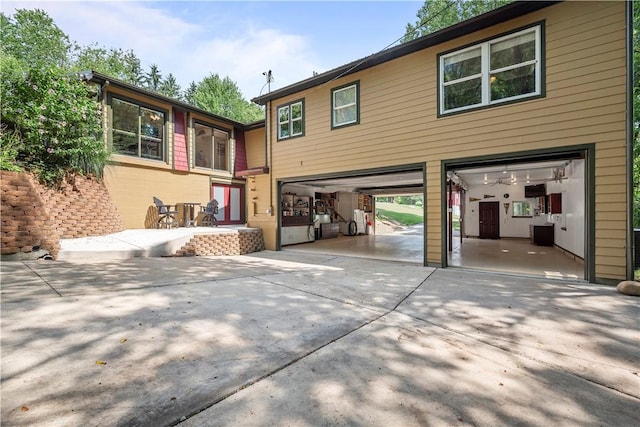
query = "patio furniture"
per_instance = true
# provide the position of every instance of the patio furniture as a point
(188, 216)
(166, 214)
(209, 212)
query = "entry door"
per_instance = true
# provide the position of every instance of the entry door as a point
(489, 220)
(230, 203)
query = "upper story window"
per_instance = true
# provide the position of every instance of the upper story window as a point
(345, 105)
(291, 120)
(504, 69)
(212, 147)
(137, 130)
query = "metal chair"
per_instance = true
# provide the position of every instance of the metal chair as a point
(166, 214)
(209, 212)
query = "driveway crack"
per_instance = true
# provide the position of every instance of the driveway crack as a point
(309, 353)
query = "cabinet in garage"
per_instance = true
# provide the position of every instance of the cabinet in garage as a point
(296, 210)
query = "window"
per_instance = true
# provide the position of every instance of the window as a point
(137, 131)
(291, 120)
(521, 209)
(212, 150)
(345, 105)
(504, 69)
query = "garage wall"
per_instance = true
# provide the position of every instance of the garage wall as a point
(584, 104)
(569, 225)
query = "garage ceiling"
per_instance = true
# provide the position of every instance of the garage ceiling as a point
(410, 182)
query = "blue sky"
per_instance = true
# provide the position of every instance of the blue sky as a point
(239, 39)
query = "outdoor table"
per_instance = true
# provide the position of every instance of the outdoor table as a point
(188, 217)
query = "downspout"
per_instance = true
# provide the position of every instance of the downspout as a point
(630, 87)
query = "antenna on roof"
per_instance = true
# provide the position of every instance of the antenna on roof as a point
(269, 77)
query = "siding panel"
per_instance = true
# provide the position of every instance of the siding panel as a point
(584, 104)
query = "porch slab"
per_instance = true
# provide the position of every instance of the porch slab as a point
(140, 243)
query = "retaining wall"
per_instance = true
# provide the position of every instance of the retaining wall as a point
(33, 215)
(233, 243)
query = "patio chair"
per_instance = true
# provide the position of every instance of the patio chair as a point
(166, 214)
(209, 212)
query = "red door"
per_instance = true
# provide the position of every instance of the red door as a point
(489, 213)
(230, 203)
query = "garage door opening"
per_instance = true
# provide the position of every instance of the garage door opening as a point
(524, 216)
(337, 215)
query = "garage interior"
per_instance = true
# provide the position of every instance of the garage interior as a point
(521, 231)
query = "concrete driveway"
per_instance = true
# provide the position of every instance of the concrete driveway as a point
(285, 338)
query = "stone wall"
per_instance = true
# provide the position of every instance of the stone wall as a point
(34, 215)
(232, 243)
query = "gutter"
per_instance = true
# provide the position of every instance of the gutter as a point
(630, 141)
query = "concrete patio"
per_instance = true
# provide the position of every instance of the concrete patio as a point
(290, 338)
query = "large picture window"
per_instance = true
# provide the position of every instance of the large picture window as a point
(137, 130)
(212, 147)
(345, 105)
(291, 120)
(503, 69)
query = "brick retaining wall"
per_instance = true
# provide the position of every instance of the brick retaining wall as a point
(233, 243)
(34, 215)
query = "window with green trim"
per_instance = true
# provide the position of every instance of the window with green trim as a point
(345, 105)
(136, 130)
(504, 69)
(291, 120)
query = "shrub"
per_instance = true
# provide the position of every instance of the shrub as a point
(57, 118)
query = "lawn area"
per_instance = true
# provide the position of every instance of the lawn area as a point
(400, 214)
(405, 214)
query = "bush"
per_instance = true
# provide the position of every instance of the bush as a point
(56, 117)
(10, 143)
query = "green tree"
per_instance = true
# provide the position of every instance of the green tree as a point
(32, 35)
(435, 15)
(190, 93)
(117, 63)
(153, 78)
(223, 97)
(55, 118)
(50, 119)
(170, 87)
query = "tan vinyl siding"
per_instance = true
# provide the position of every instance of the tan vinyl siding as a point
(584, 104)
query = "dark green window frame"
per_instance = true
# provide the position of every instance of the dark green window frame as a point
(485, 84)
(290, 119)
(345, 107)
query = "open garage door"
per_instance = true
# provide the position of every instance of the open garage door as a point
(523, 215)
(336, 214)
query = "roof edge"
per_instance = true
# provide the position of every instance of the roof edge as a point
(480, 22)
(97, 77)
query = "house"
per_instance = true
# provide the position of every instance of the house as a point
(165, 148)
(523, 113)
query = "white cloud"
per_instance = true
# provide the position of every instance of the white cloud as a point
(189, 50)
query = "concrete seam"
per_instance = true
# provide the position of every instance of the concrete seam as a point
(42, 278)
(524, 356)
(304, 356)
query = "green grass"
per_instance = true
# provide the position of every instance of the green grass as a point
(405, 214)
(400, 214)
(637, 275)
